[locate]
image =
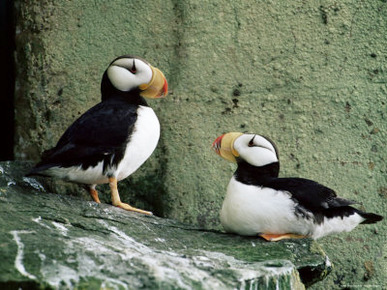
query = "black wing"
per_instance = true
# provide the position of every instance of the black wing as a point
(312, 196)
(309, 193)
(319, 200)
(99, 134)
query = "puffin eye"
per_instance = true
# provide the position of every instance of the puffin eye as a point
(251, 142)
(133, 69)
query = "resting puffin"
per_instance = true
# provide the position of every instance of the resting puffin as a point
(258, 202)
(115, 137)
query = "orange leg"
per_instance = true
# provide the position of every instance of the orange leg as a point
(117, 201)
(278, 237)
(94, 194)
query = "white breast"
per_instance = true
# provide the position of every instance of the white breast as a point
(249, 210)
(143, 142)
(337, 225)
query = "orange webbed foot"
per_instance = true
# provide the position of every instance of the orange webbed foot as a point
(94, 194)
(279, 237)
(116, 201)
(128, 207)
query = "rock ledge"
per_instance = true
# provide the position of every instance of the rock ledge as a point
(58, 241)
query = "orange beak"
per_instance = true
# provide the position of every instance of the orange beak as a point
(165, 89)
(224, 146)
(217, 144)
(157, 87)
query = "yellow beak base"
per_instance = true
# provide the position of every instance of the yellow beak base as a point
(157, 87)
(224, 146)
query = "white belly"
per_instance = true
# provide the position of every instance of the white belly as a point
(144, 139)
(143, 142)
(337, 225)
(249, 210)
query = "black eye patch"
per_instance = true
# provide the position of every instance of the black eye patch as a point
(251, 142)
(133, 69)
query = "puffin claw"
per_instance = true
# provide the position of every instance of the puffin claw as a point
(279, 237)
(128, 207)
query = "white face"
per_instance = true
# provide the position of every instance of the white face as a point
(128, 73)
(255, 149)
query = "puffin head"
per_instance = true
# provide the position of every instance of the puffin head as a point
(133, 74)
(251, 148)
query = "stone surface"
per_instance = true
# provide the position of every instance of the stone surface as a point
(310, 75)
(58, 241)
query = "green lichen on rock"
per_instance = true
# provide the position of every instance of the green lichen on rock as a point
(310, 75)
(53, 241)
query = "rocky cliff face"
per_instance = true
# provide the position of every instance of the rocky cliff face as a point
(309, 74)
(57, 241)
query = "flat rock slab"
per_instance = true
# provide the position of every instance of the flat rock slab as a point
(54, 241)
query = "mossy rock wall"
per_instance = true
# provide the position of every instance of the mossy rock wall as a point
(310, 75)
(52, 241)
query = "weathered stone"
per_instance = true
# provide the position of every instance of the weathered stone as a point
(310, 75)
(58, 241)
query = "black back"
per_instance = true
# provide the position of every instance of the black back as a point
(100, 134)
(308, 195)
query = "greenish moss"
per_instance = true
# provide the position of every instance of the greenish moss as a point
(58, 241)
(311, 76)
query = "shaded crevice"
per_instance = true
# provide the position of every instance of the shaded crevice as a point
(7, 78)
(26, 284)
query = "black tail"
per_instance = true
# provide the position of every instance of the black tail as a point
(346, 211)
(39, 170)
(370, 218)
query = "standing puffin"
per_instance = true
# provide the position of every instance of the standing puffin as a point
(258, 202)
(115, 137)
